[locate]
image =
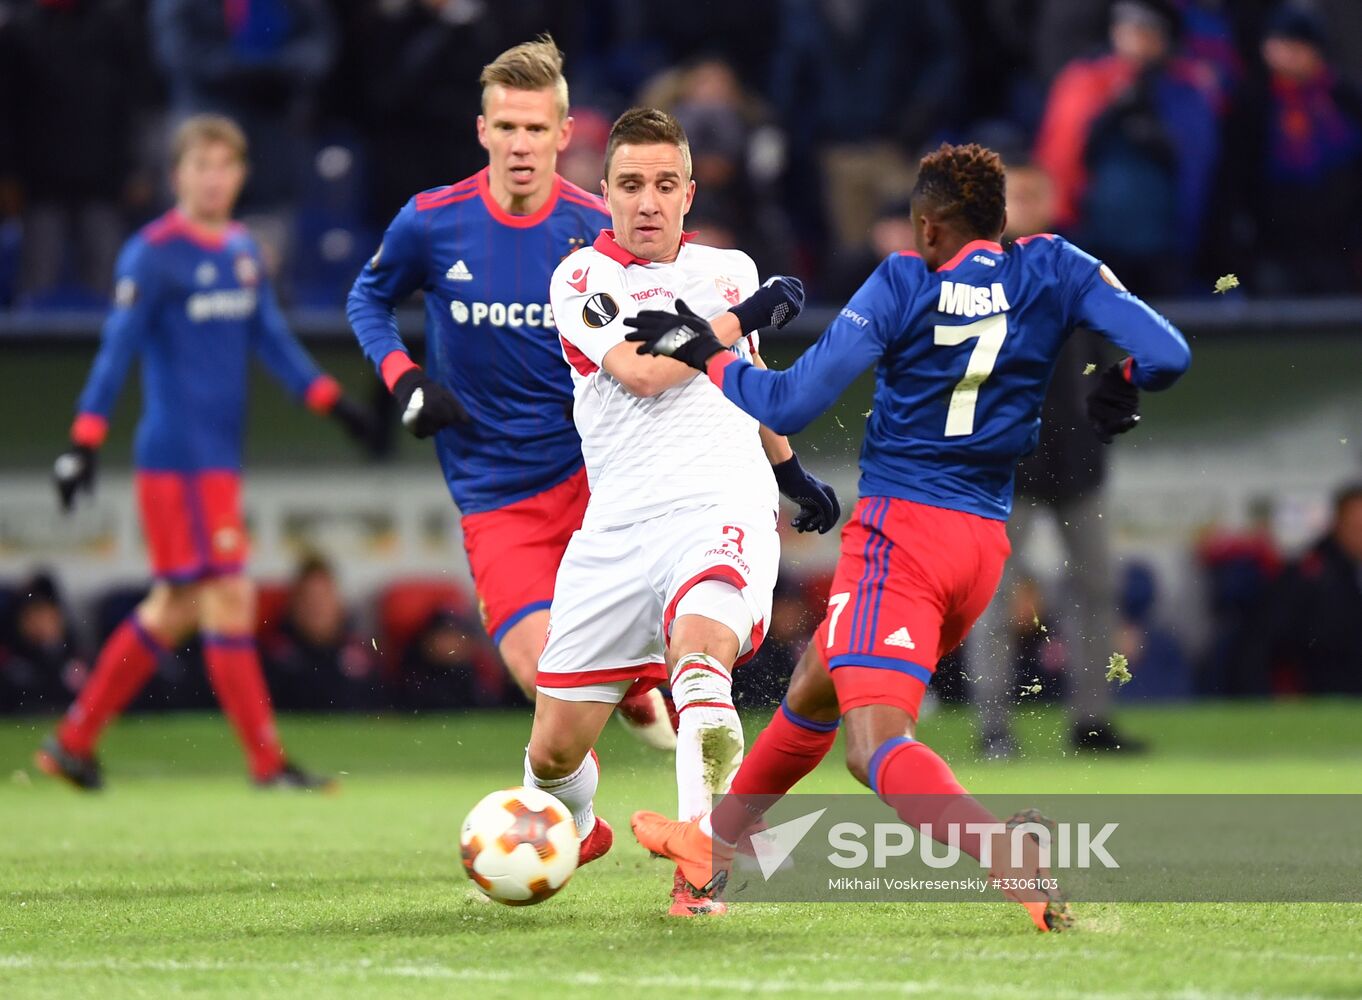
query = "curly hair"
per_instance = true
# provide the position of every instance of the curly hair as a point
(966, 183)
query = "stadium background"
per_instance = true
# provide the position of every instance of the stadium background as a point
(793, 108)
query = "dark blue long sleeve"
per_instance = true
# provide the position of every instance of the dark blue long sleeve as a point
(787, 401)
(396, 270)
(135, 303)
(276, 346)
(1161, 353)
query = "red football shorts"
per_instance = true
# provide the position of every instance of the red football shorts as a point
(192, 523)
(910, 582)
(514, 552)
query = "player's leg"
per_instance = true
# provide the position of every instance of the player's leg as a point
(937, 590)
(993, 653)
(604, 640)
(717, 567)
(227, 623)
(560, 758)
(1090, 587)
(159, 623)
(520, 647)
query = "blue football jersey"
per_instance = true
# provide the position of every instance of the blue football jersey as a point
(194, 307)
(490, 334)
(964, 355)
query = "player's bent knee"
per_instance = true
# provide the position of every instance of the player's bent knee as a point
(858, 763)
(547, 761)
(228, 603)
(170, 611)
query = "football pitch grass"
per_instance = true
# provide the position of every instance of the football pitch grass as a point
(181, 879)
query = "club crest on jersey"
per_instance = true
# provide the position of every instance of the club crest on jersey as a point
(599, 311)
(458, 271)
(728, 290)
(206, 273)
(1109, 276)
(247, 270)
(125, 293)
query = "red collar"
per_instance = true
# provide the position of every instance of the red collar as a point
(516, 221)
(605, 243)
(177, 221)
(974, 246)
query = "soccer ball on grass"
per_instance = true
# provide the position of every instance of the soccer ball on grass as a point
(519, 846)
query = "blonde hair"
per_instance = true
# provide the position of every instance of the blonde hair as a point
(535, 65)
(199, 129)
(646, 127)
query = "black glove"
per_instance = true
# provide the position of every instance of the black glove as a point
(357, 420)
(681, 335)
(818, 507)
(775, 303)
(74, 471)
(426, 405)
(1114, 406)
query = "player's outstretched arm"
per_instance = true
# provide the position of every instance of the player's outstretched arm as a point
(134, 310)
(289, 362)
(1158, 353)
(785, 401)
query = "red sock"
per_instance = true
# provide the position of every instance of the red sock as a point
(920, 786)
(788, 748)
(125, 664)
(234, 672)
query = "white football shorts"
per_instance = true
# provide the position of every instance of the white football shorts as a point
(618, 592)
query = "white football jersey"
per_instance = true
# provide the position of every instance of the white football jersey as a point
(688, 446)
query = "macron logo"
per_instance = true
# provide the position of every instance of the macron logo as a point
(773, 845)
(902, 639)
(459, 272)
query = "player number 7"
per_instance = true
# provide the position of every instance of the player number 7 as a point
(836, 604)
(991, 330)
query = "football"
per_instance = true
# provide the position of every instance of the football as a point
(519, 846)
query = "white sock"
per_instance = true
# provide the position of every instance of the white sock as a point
(575, 791)
(709, 739)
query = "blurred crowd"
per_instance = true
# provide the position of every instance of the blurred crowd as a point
(1279, 626)
(1178, 139)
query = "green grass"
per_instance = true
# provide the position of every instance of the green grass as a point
(182, 880)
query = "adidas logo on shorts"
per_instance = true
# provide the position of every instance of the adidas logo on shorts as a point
(901, 638)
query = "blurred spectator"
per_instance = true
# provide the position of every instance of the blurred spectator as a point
(71, 80)
(1130, 140)
(1239, 568)
(40, 668)
(864, 84)
(409, 81)
(891, 232)
(1157, 662)
(315, 661)
(736, 155)
(1309, 629)
(1297, 154)
(449, 665)
(583, 162)
(261, 63)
